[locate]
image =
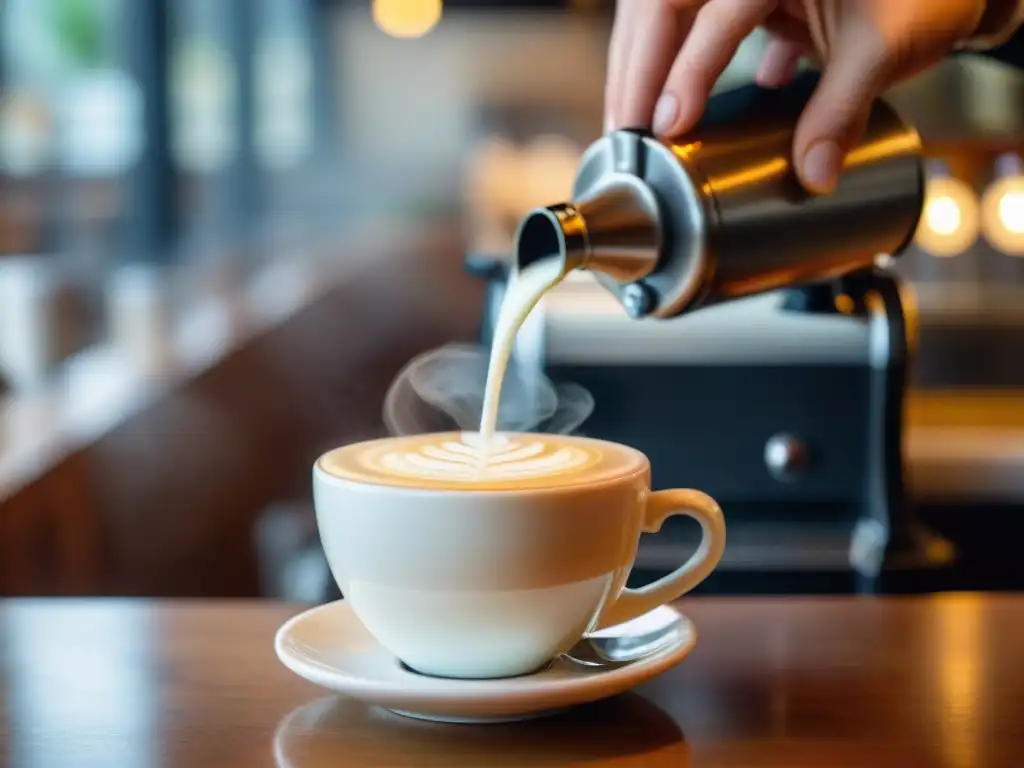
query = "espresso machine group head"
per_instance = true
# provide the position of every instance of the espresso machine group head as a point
(812, 441)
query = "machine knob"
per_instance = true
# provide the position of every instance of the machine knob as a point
(785, 456)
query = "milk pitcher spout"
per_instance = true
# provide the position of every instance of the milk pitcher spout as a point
(615, 230)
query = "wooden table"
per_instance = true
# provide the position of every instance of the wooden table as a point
(819, 683)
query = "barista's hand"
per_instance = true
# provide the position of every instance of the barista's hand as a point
(666, 55)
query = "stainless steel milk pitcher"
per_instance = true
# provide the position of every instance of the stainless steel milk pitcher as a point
(669, 226)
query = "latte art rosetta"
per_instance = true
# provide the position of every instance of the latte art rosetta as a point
(510, 461)
(468, 460)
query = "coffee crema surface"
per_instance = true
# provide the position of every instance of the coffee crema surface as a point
(461, 460)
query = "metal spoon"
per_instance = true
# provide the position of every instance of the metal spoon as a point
(628, 643)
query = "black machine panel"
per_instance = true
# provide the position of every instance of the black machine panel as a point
(708, 427)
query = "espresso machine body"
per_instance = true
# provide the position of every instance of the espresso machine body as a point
(770, 404)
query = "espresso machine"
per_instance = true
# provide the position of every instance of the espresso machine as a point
(748, 336)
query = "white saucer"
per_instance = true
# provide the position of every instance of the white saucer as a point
(329, 646)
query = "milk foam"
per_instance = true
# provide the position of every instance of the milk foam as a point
(472, 459)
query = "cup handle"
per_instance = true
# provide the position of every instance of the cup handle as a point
(661, 505)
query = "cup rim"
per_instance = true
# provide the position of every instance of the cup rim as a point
(411, 488)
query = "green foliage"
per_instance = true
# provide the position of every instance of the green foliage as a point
(78, 26)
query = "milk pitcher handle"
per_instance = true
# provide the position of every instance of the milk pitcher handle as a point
(661, 505)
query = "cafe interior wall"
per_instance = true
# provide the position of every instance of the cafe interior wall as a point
(409, 109)
(416, 116)
(105, 487)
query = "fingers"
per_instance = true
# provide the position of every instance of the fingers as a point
(835, 118)
(718, 29)
(653, 81)
(779, 63)
(645, 40)
(782, 24)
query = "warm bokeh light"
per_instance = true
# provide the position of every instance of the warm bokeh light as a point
(1002, 210)
(406, 18)
(943, 216)
(951, 220)
(1011, 211)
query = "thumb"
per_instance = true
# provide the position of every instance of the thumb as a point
(835, 118)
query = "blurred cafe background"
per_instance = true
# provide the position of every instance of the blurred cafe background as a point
(226, 225)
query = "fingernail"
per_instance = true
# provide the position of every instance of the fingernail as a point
(821, 166)
(666, 112)
(608, 122)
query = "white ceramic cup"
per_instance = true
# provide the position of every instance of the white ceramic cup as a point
(469, 583)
